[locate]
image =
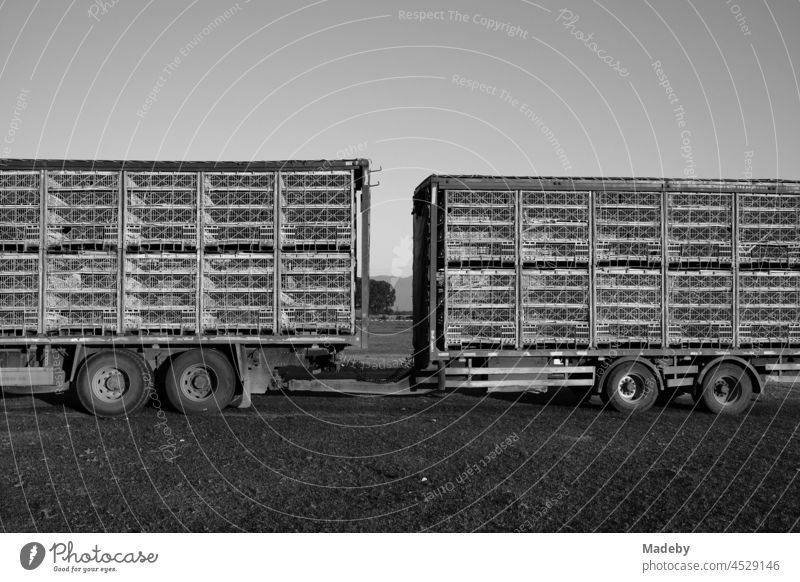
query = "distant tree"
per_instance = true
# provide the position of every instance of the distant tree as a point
(381, 296)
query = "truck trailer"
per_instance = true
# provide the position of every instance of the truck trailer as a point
(202, 277)
(634, 289)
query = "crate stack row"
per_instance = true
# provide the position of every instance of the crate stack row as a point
(555, 235)
(174, 252)
(700, 275)
(238, 254)
(601, 264)
(479, 290)
(769, 275)
(316, 252)
(82, 252)
(20, 259)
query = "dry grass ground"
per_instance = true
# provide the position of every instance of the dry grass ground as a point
(452, 462)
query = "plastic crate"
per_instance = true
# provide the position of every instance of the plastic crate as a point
(628, 332)
(228, 181)
(536, 332)
(163, 198)
(13, 265)
(474, 288)
(309, 234)
(19, 321)
(81, 292)
(328, 299)
(238, 320)
(82, 180)
(80, 320)
(161, 180)
(316, 180)
(688, 332)
(14, 180)
(480, 215)
(480, 333)
(172, 321)
(312, 198)
(294, 320)
(239, 235)
(316, 263)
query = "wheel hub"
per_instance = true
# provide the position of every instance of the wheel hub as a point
(722, 390)
(196, 383)
(109, 384)
(628, 388)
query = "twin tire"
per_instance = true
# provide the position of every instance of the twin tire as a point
(633, 387)
(119, 382)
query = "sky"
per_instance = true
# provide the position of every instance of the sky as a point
(664, 88)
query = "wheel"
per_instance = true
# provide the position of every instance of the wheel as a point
(113, 383)
(727, 389)
(200, 382)
(631, 387)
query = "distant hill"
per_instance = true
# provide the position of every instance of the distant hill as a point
(402, 291)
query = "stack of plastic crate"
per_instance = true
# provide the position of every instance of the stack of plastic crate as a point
(478, 282)
(769, 229)
(628, 227)
(628, 305)
(81, 292)
(160, 266)
(700, 229)
(316, 292)
(555, 307)
(238, 234)
(160, 292)
(82, 252)
(480, 227)
(238, 292)
(768, 307)
(82, 210)
(481, 307)
(20, 196)
(317, 253)
(555, 227)
(316, 210)
(238, 211)
(701, 307)
(161, 211)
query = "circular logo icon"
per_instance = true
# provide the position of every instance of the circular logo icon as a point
(31, 555)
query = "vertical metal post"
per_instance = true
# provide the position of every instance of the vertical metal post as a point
(664, 266)
(42, 249)
(432, 264)
(735, 266)
(122, 208)
(199, 222)
(519, 311)
(592, 286)
(276, 259)
(365, 216)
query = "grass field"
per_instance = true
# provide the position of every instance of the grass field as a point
(441, 462)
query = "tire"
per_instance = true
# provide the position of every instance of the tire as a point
(727, 389)
(200, 382)
(113, 383)
(631, 387)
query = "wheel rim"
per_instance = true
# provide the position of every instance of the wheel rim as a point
(726, 390)
(197, 382)
(630, 387)
(109, 383)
